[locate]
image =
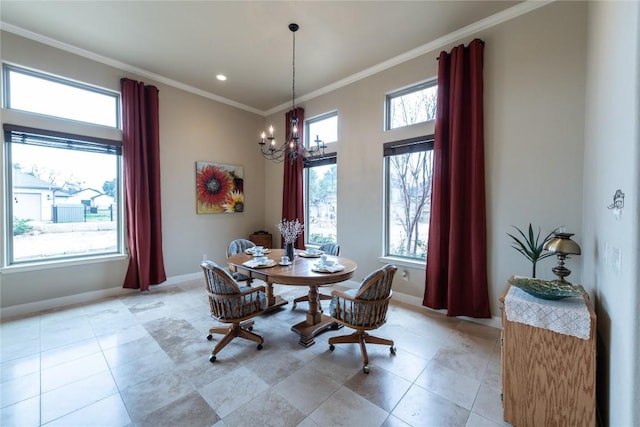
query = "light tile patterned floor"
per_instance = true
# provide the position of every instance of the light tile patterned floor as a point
(142, 360)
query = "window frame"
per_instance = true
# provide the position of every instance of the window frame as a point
(392, 148)
(15, 134)
(308, 122)
(316, 161)
(6, 80)
(402, 92)
(88, 136)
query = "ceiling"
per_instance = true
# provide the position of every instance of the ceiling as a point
(186, 43)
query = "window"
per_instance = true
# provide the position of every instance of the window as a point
(321, 200)
(38, 93)
(63, 190)
(416, 104)
(323, 128)
(321, 181)
(408, 175)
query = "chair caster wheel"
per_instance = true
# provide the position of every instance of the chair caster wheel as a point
(365, 369)
(392, 350)
(212, 358)
(259, 347)
(209, 337)
(332, 347)
(250, 328)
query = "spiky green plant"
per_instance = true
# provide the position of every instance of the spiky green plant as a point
(530, 245)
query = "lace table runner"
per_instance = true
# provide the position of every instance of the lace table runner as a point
(569, 316)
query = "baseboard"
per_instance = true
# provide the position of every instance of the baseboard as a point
(50, 304)
(85, 297)
(494, 322)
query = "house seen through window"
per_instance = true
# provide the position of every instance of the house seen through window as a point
(63, 198)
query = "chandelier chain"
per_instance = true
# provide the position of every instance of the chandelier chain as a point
(293, 86)
(292, 147)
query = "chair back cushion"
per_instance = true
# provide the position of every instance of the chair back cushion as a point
(221, 289)
(218, 280)
(330, 248)
(238, 246)
(368, 305)
(377, 285)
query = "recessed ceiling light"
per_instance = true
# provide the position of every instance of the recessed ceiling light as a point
(221, 77)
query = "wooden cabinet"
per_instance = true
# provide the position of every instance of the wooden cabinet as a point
(262, 239)
(548, 378)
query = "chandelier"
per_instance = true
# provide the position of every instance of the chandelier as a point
(292, 146)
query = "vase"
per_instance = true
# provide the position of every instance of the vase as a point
(289, 251)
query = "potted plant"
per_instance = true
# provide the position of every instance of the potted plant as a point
(531, 246)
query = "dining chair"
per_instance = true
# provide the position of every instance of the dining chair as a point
(232, 304)
(329, 249)
(364, 309)
(238, 246)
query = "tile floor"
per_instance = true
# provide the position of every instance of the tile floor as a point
(142, 360)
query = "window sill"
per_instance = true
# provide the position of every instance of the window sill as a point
(48, 265)
(417, 264)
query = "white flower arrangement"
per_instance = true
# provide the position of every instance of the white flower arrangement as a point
(290, 230)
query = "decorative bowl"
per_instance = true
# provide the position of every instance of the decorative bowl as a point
(545, 289)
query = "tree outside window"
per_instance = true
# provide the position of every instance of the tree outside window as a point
(409, 173)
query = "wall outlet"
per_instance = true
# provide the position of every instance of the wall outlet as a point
(204, 257)
(405, 275)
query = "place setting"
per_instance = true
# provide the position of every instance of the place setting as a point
(326, 265)
(259, 261)
(285, 261)
(311, 253)
(257, 251)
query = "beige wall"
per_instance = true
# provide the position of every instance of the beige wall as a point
(192, 128)
(534, 97)
(534, 129)
(545, 164)
(612, 162)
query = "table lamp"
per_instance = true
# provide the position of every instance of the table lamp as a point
(562, 246)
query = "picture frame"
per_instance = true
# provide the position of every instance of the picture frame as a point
(219, 188)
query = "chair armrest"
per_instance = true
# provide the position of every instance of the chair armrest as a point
(252, 290)
(342, 295)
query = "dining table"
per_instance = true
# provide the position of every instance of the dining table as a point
(303, 270)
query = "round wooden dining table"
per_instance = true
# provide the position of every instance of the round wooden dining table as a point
(300, 272)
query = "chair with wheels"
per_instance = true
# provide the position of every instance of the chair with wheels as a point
(232, 304)
(329, 249)
(238, 246)
(364, 309)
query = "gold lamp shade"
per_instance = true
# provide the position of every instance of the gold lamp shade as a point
(562, 246)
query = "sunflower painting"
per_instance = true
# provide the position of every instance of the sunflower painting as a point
(219, 188)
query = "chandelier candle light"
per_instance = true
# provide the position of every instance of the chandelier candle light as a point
(290, 230)
(292, 146)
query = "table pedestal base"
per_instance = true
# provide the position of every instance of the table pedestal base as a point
(274, 301)
(278, 302)
(307, 331)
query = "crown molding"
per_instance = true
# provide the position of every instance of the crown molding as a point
(493, 20)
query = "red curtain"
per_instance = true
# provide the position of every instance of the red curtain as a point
(293, 184)
(141, 159)
(456, 275)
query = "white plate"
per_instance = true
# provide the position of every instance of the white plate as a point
(306, 254)
(285, 263)
(250, 251)
(323, 268)
(268, 263)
